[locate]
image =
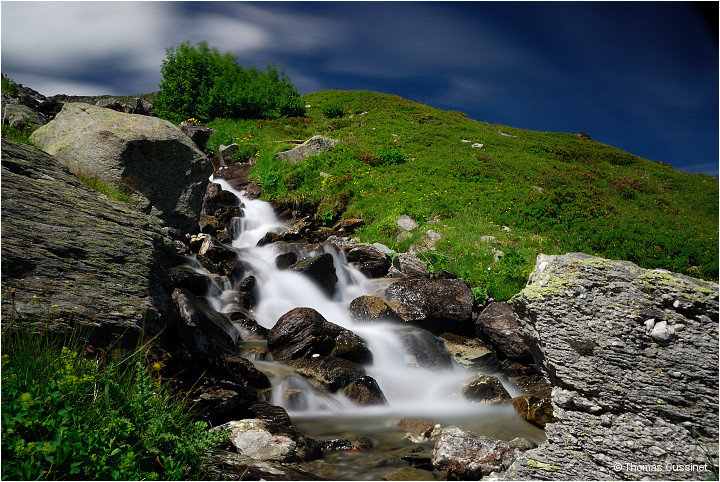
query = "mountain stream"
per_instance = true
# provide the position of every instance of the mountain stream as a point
(411, 391)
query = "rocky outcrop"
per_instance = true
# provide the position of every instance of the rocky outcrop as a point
(73, 256)
(150, 156)
(632, 355)
(312, 147)
(437, 305)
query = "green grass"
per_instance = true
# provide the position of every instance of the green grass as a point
(66, 416)
(16, 134)
(556, 192)
(106, 188)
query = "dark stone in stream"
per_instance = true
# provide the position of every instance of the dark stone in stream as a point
(207, 333)
(498, 325)
(365, 391)
(486, 389)
(285, 260)
(189, 279)
(216, 251)
(74, 257)
(240, 370)
(233, 466)
(331, 372)
(304, 333)
(427, 350)
(371, 262)
(369, 309)
(320, 269)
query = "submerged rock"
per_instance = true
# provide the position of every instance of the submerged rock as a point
(486, 389)
(620, 391)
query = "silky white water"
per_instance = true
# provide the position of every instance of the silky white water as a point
(410, 391)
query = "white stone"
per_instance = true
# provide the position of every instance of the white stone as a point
(477, 145)
(406, 223)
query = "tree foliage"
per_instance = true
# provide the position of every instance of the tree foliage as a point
(200, 82)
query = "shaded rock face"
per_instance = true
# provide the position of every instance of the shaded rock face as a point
(497, 325)
(75, 256)
(151, 156)
(621, 388)
(437, 305)
(371, 262)
(320, 269)
(468, 456)
(304, 333)
(312, 147)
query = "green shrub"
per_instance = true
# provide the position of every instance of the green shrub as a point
(69, 417)
(333, 110)
(16, 134)
(198, 81)
(9, 87)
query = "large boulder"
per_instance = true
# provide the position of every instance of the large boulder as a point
(305, 333)
(632, 355)
(312, 147)
(73, 256)
(320, 269)
(150, 156)
(437, 305)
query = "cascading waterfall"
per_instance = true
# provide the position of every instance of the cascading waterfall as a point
(410, 391)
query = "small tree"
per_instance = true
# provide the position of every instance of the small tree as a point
(200, 82)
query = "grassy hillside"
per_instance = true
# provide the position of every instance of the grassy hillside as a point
(556, 192)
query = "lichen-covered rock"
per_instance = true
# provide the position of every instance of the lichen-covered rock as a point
(370, 309)
(365, 391)
(71, 255)
(623, 393)
(146, 154)
(331, 372)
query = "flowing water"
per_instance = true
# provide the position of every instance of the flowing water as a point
(411, 392)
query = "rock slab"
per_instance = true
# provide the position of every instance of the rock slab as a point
(73, 256)
(626, 394)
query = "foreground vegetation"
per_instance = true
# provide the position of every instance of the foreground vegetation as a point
(72, 414)
(556, 192)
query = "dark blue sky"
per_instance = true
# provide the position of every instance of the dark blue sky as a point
(641, 76)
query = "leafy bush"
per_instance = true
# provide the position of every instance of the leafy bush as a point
(9, 87)
(67, 417)
(384, 158)
(333, 110)
(198, 81)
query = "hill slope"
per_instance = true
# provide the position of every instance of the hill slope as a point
(557, 192)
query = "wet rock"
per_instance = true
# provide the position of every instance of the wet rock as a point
(584, 320)
(77, 258)
(408, 265)
(427, 350)
(285, 260)
(470, 353)
(410, 473)
(365, 391)
(217, 405)
(361, 443)
(241, 370)
(497, 324)
(233, 466)
(235, 174)
(148, 155)
(486, 389)
(436, 305)
(189, 279)
(419, 431)
(216, 251)
(320, 269)
(331, 372)
(207, 333)
(537, 411)
(371, 262)
(369, 309)
(469, 456)
(304, 333)
(312, 147)
(252, 438)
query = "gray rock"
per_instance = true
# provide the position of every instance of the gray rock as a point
(331, 372)
(406, 264)
(406, 223)
(622, 396)
(198, 134)
(151, 156)
(312, 147)
(76, 257)
(20, 116)
(371, 262)
(427, 350)
(226, 153)
(369, 309)
(469, 456)
(320, 269)
(252, 438)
